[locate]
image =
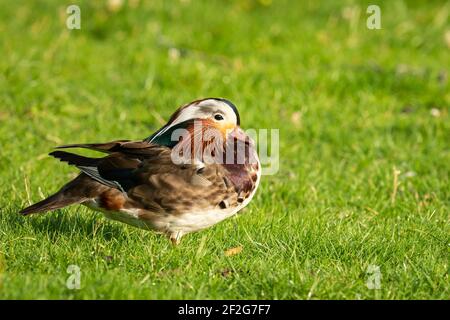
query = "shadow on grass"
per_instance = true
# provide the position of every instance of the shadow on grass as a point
(79, 224)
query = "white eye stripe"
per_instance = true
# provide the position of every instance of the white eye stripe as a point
(206, 109)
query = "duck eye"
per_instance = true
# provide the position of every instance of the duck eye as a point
(218, 117)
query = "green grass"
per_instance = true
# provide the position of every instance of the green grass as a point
(351, 104)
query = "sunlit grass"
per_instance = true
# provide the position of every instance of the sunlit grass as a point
(353, 107)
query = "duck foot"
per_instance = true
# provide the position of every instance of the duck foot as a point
(175, 237)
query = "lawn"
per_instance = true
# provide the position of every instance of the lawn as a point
(362, 190)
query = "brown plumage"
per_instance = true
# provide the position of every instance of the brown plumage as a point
(139, 183)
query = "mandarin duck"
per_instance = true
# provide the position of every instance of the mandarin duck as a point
(197, 170)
